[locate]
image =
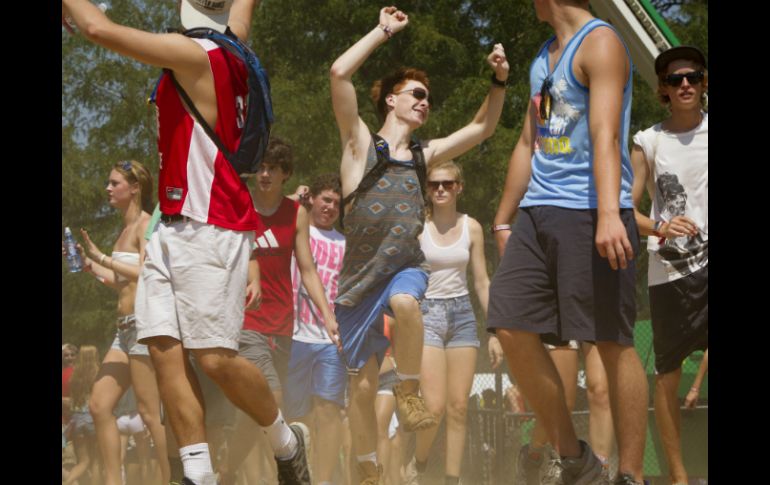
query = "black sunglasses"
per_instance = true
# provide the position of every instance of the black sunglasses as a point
(419, 94)
(545, 98)
(675, 80)
(447, 184)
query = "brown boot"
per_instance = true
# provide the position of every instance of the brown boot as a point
(369, 473)
(412, 414)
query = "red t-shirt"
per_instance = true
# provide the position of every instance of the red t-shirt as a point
(195, 179)
(273, 247)
(66, 375)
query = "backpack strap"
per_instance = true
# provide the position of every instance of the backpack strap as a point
(376, 172)
(198, 117)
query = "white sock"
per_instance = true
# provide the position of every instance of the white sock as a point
(196, 462)
(406, 377)
(370, 457)
(281, 438)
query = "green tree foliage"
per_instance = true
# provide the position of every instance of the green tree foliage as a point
(105, 117)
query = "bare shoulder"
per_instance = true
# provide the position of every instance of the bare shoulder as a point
(601, 47)
(475, 227)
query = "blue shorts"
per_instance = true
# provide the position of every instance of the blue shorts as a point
(386, 381)
(361, 326)
(314, 370)
(449, 322)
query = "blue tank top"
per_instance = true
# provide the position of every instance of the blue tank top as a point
(562, 163)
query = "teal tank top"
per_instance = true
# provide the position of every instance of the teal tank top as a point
(562, 163)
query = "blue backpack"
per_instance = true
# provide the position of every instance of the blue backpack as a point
(259, 106)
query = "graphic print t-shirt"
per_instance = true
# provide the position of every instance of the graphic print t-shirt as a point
(328, 249)
(680, 187)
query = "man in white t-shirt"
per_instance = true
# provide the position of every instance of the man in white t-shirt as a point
(317, 378)
(671, 160)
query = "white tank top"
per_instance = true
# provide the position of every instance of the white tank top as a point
(448, 264)
(125, 257)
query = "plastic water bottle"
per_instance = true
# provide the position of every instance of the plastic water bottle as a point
(74, 261)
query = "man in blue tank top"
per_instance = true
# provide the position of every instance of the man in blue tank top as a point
(567, 270)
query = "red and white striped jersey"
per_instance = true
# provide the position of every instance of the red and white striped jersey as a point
(195, 178)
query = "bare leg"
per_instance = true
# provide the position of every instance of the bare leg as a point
(628, 398)
(148, 404)
(246, 435)
(328, 439)
(84, 459)
(540, 383)
(461, 364)
(143, 454)
(111, 383)
(363, 420)
(408, 339)
(600, 430)
(179, 390)
(433, 383)
(566, 362)
(669, 420)
(384, 407)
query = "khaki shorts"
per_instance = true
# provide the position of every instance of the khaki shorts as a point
(193, 285)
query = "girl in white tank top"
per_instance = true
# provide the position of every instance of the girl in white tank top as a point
(450, 241)
(129, 190)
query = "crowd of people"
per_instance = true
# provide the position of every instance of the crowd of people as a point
(263, 329)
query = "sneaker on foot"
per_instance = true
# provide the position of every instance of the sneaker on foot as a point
(527, 468)
(552, 469)
(604, 479)
(369, 473)
(583, 470)
(295, 471)
(626, 479)
(412, 414)
(411, 474)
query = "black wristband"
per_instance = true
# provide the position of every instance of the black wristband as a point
(497, 82)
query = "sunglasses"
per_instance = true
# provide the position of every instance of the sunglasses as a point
(419, 94)
(447, 184)
(675, 80)
(545, 98)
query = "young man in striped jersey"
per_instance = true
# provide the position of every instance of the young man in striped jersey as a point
(194, 285)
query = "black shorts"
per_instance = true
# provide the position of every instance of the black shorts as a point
(680, 319)
(552, 280)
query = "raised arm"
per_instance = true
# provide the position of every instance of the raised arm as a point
(605, 67)
(310, 279)
(344, 101)
(516, 181)
(173, 51)
(241, 13)
(483, 124)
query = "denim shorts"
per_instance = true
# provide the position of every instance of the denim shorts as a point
(386, 381)
(125, 337)
(361, 326)
(82, 424)
(449, 322)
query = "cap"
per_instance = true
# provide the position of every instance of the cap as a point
(682, 52)
(205, 13)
